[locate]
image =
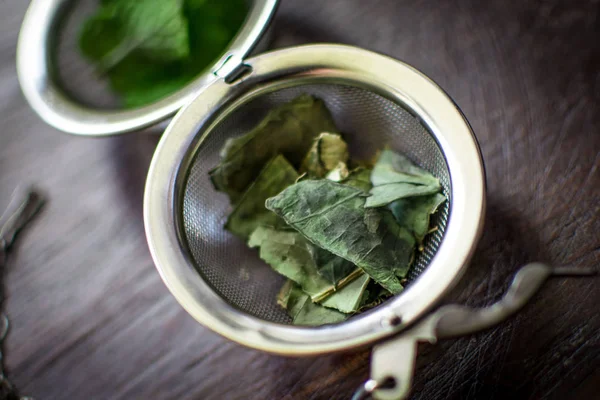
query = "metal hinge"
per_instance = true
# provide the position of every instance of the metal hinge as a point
(232, 69)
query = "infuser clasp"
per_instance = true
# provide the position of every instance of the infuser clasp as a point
(393, 362)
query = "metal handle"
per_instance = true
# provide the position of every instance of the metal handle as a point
(394, 360)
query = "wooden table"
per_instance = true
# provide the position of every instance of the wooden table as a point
(91, 318)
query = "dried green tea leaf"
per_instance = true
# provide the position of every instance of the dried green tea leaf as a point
(396, 177)
(250, 211)
(414, 213)
(348, 299)
(359, 178)
(373, 296)
(333, 217)
(332, 268)
(392, 167)
(283, 297)
(290, 254)
(339, 173)
(386, 194)
(303, 311)
(288, 130)
(327, 151)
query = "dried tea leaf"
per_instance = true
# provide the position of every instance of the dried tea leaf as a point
(157, 29)
(328, 150)
(250, 211)
(373, 296)
(392, 167)
(303, 311)
(386, 194)
(288, 130)
(348, 299)
(290, 254)
(339, 173)
(414, 213)
(396, 177)
(331, 267)
(359, 178)
(333, 217)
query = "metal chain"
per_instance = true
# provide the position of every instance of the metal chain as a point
(21, 210)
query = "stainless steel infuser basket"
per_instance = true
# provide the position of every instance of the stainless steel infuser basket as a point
(375, 101)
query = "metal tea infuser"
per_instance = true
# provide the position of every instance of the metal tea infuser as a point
(375, 100)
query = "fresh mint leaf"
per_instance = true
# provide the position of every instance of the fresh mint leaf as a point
(149, 49)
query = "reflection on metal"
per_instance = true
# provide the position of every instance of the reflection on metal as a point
(395, 359)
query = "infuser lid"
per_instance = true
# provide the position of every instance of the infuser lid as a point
(34, 69)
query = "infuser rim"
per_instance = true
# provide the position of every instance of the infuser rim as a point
(402, 84)
(44, 95)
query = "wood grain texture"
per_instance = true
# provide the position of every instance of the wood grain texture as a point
(92, 320)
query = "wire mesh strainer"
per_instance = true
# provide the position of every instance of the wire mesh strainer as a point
(368, 120)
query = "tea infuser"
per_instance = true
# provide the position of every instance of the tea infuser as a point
(375, 100)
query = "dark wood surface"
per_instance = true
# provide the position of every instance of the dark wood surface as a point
(91, 318)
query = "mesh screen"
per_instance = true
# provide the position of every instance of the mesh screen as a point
(368, 122)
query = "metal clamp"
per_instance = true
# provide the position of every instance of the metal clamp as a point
(394, 360)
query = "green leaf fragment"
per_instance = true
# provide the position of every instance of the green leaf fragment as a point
(373, 296)
(332, 216)
(338, 173)
(149, 49)
(250, 212)
(156, 29)
(386, 194)
(359, 178)
(395, 177)
(392, 167)
(303, 311)
(290, 254)
(331, 267)
(414, 213)
(288, 129)
(328, 150)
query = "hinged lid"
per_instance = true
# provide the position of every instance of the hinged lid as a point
(53, 105)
